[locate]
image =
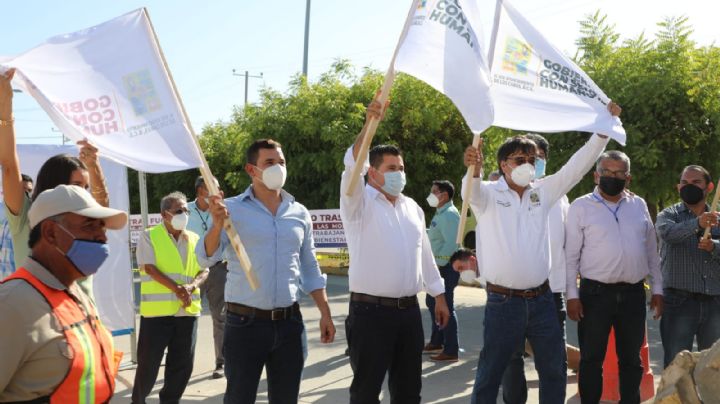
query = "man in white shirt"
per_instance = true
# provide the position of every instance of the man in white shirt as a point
(610, 242)
(390, 262)
(514, 384)
(512, 224)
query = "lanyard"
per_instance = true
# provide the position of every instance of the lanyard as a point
(204, 221)
(615, 211)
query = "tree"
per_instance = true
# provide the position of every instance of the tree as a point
(317, 122)
(670, 93)
(668, 87)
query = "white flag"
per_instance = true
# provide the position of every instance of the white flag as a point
(444, 48)
(535, 87)
(108, 83)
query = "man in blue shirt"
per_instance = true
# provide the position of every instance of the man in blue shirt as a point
(263, 327)
(213, 289)
(442, 234)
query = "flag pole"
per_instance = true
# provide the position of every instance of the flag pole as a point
(713, 208)
(476, 136)
(373, 122)
(207, 173)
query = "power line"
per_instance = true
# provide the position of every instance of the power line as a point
(247, 76)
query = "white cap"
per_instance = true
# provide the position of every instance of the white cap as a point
(73, 199)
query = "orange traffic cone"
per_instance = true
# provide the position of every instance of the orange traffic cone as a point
(611, 387)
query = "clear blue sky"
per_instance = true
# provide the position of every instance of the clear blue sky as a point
(204, 41)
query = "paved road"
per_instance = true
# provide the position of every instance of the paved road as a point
(327, 373)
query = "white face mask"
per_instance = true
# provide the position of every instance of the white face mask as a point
(274, 176)
(432, 200)
(180, 221)
(522, 175)
(468, 276)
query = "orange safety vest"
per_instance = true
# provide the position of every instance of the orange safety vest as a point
(91, 378)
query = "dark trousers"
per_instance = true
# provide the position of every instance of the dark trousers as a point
(253, 343)
(385, 340)
(214, 290)
(177, 334)
(605, 306)
(514, 384)
(448, 336)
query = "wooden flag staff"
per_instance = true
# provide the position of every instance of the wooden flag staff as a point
(713, 208)
(373, 122)
(477, 143)
(208, 176)
(476, 136)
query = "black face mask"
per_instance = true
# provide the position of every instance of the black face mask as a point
(611, 185)
(692, 194)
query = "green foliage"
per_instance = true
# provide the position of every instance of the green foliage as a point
(669, 90)
(668, 87)
(317, 122)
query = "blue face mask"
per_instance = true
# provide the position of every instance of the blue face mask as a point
(86, 255)
(539, 168)
(394, 182)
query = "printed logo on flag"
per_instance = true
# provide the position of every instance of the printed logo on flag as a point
(517, 56)
(94, 115)
(559, 77)
(450, 14)
(141, 92)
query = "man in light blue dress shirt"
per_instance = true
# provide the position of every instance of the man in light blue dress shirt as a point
(264, 327)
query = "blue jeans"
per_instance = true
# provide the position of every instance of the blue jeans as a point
(252, 343)
(685, 317)
(514, 384)
(448, 336)
(508, 321)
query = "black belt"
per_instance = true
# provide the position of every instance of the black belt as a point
(526, 293)
(217, 264)
(282, 313)
(399, 302)
(616, 286)
(701, 297)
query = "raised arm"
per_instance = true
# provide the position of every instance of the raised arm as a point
(350, 205)
(98, 187)
(11, 177)
(374, 110)
(479, 198)
(571, 173)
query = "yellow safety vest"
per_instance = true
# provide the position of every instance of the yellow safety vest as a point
(157, 300)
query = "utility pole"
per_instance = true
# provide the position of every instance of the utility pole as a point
(307, 39)
(247, 76)
(64, 138)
